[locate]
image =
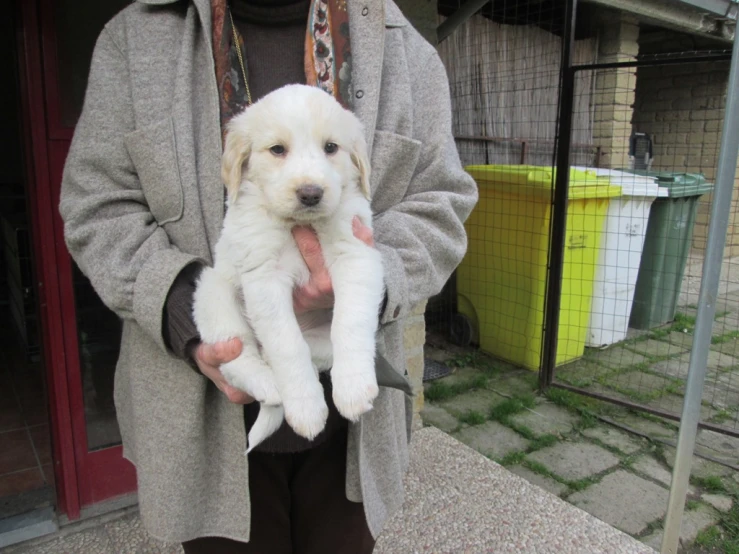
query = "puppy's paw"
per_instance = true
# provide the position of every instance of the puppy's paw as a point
(306, 412)
(254, 378)
(353, 391)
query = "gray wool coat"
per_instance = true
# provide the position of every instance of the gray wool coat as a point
(142, 198)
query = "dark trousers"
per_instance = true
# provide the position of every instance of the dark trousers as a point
(298, 506)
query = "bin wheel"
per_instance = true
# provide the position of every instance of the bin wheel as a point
(460, 330)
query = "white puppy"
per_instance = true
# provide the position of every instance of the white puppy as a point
(296, 157)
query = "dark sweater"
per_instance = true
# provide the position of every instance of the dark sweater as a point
(274, 38)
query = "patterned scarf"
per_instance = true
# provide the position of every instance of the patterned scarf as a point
(327, 58)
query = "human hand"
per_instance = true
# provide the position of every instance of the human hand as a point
(210, 357)
(318, 293)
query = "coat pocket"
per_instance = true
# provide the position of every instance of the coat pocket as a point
(394, 161)
(153, 151)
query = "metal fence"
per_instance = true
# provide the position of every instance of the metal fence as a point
(604, 252)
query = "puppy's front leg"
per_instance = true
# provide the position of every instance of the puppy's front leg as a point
(270, 310)
(356, 274)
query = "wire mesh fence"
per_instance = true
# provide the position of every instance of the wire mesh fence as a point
(643, 155)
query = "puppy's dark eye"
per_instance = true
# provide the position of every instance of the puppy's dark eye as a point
(330, 148)
(277, 150)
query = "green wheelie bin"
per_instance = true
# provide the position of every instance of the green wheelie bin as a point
(666, 247)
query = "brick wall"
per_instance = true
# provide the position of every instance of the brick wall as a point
(614, 89)
(682, 108)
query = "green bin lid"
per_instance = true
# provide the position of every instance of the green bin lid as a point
(539, 180)
(678, 184)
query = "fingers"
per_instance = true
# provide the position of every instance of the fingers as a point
(309, 247)
(220, 352)
(362, 232)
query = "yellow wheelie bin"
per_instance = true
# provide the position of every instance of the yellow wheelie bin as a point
(501, 283)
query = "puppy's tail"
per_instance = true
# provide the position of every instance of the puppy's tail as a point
(268, 421)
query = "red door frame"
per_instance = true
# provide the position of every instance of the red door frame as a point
(82, 477)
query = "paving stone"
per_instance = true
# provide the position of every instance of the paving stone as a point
(459, 375)
(575, 460)
(656, 349)
(649, 427)
(726, 324)
(654, 540)
(617, 357)
(718, 442)
(480, 400)
(546, 418)
(683, 340)
(492, 439)
(521, 382)
(694, 521)
(674, 404)
(615, 439)
(439, 418)
(720, 502)
(546, 483)
(653, 469)
(613, 501)
(730, 348)
(581, 373)
(678, 367)
(700, 467)
(639, 382)
(722, 390)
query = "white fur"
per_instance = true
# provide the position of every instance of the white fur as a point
(258, 265)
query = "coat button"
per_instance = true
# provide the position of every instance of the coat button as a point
(360, 94)
(396, 313)
(365, 10)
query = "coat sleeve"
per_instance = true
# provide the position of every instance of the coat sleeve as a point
(108, 227)
(422, 238)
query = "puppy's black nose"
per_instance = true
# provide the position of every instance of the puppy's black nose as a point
(309, 195)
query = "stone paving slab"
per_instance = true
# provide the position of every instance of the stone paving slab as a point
(439, 418)
(730, 348)
(683, 340)
(719, 501)
(580, 373)
(546, 483)
(492, 439)
(649, 427)
(639, 382)
(616, 439)
(613, 500)
(700, 467)
(458, 375)
(546, 418)
(720, 444)
(459, 502)
(650, 467)
(617, 357)
(693, 523)
(678, 367)
(574, 461)
(652, 348)
(480, 400)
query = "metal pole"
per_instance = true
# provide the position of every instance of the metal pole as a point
(559, 209)
(720, 209)
(450, 24)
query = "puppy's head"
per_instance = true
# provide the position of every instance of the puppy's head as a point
(299, 150)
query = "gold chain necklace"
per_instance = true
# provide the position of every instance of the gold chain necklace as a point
(241, 58)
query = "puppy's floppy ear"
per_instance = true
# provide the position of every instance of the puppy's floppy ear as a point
(361, 160)
(235, 152)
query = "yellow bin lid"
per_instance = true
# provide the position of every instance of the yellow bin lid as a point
(539, 180)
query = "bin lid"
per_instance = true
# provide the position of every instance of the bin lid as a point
(539, 180)
(678, 184)
(630, 183)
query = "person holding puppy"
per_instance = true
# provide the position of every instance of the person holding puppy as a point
(143, 204)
